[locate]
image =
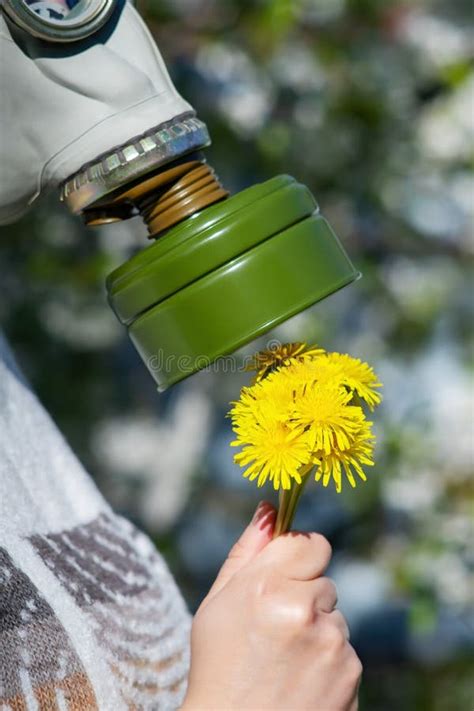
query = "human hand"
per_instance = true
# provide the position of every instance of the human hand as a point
(267, 635)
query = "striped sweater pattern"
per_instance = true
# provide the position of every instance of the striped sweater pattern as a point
(90, 616)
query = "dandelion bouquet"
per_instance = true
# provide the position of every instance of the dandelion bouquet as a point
(304, 416)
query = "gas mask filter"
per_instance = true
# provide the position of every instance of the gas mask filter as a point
(221, 270)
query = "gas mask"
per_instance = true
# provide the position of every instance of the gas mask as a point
(88, 108)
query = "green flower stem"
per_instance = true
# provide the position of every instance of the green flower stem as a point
(288, 502)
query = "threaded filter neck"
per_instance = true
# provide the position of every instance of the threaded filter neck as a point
(194, 190)
(167, 198)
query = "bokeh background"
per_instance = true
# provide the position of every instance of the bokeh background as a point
(371, 104)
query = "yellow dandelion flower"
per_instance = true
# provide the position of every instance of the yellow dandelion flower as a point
(266, 361)
(346, 370)
(304, 411)
(258, 401)
(245, 407)
(330, 421)
(273, 450)
(278, 392)
(298, 375)
(359, 452)
(274, 393)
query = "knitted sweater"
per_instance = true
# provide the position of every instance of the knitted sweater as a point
(90, 617)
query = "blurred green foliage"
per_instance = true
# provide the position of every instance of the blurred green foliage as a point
(370, 104)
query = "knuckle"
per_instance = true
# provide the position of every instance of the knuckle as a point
(313, 545)
(322, 546)
(339, 620)
(271, 605)
(327, 587)
(302, 616)
(293, 624)
(354, 667)
(333, 638)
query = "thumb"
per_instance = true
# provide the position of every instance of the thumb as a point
(258, 533)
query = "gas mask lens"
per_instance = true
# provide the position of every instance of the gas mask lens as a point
(57, 10)
(60, 20)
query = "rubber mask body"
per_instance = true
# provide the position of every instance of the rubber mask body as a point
(60, 112)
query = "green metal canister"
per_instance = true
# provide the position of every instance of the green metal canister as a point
(226, 275)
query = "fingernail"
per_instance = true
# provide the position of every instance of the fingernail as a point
(262, 506)
(257, 510)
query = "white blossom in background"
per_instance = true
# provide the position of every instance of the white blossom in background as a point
(445, 126)
(461, 189)
(362, 587)
(296, 66)
(438, 40)
(442, 569)
(422, 201)
(319, 12)
(85, 326)
(431, 409)
(452, 416)
(440, 417)
(117, 239)
(453, 581)
(244, 94)
(413, 494)
(161, 454)
(421, 292)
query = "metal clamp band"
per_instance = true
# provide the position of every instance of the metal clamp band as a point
(108, 173)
